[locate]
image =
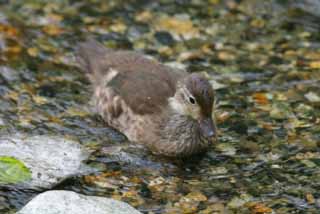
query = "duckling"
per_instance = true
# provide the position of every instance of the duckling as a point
(168, 110)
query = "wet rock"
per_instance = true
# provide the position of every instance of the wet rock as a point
(128, 155)
(216, 85)
(164, 38)
(60, 202)
(238, 202)
(176, 65)
(239, 127)
(3, 203)
(50, 159)
(249, 147)
(309, 6)
(8, 73)
(309, 145)
(47, 90)
(317, 202)
(312, 97)
(179, 26)
(226, 149)
(137, 31)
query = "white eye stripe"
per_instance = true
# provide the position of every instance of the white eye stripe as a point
(184, 96)
(187, 93)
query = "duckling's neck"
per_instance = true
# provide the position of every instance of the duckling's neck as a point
(181, 136)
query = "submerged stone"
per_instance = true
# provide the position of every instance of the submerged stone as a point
(50, 159)
(60, 202)
(164, 38)
(8, 74)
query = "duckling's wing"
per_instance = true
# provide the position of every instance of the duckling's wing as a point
(144, 84)
(144, 92)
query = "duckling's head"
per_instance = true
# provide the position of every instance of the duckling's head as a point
(194, 97)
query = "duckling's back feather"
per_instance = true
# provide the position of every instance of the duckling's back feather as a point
(144, 84)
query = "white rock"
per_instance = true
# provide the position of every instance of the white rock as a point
(216, 85)
(50, 159)
(2, 123)
(176, 65)
(312, 97)
(67, 202)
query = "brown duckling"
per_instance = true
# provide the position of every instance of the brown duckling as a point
(166, 109)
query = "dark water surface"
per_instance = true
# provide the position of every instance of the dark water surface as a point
(264, 54)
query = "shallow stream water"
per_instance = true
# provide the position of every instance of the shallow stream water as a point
(265, 55)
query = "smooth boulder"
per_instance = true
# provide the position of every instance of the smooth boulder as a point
(67, 202)
(50, 159)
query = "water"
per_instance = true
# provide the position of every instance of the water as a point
(265, 54)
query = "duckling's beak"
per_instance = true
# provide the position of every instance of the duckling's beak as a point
(208, 128)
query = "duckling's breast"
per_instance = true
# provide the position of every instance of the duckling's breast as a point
(181, 137)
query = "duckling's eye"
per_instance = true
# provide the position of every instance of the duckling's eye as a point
(192, 100)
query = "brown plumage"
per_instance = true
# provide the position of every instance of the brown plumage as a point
(166, 109)
(202, 91)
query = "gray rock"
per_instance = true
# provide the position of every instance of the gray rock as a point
(2, 123)
(309, 6)
(8, 73)
(50, 159)
(67, 202)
